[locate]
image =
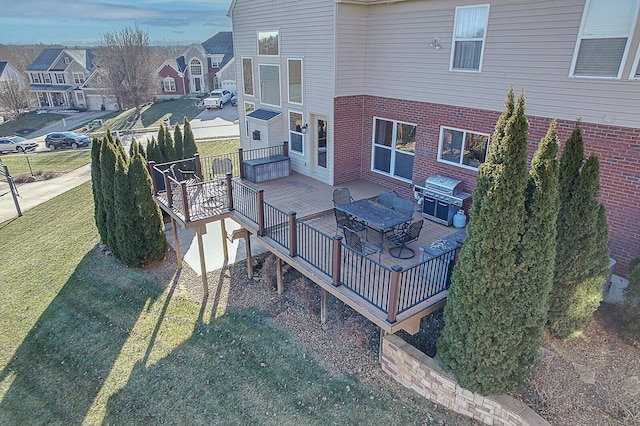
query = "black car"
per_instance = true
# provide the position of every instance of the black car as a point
(62, 139)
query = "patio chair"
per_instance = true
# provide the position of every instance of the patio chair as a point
(403, 236)
(343, 220)
(220, 167)
(386, 198)
(341, 196)
(353, 240)
(403, 205)
(183, 175)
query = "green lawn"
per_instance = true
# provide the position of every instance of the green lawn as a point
(31, 120)
(86, 340)
(42, 162)
(154, 114)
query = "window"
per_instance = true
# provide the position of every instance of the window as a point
(270, 84)
(294, 67)
(469, 32)
(394, 144)
(195, 67)
(248, 107)
(168, 84)
(80, 98)
(268, 44)
(604, 36)
(247, 75)
(462, 148)
(67, 60)
(35, 78)
(59, 78)
(216, 60)
(78, 78)
(47, 78)
(295, 132)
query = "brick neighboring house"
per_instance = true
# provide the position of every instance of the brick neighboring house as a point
(393, 92)
(200, 69)
(67, 78)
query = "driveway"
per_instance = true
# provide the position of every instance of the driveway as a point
(69, 122)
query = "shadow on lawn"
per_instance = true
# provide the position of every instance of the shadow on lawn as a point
(58, 370)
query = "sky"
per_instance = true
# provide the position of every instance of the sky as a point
(84, 22)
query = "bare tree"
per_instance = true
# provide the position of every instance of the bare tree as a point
(125, 59)
(14, 98)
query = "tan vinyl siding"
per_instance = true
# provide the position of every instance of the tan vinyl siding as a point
(529, 44)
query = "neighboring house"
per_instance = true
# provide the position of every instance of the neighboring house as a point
(200, 69)
(59, 79)
(395, 91)
(8, 73)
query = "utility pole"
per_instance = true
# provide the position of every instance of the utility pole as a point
(12, 187)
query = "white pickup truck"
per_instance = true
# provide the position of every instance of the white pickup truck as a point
(217, 98)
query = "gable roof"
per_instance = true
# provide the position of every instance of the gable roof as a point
(2, 66)
(221, 43)
(44, 60)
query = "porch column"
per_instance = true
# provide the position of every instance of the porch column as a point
(176, 242)
(203, 267)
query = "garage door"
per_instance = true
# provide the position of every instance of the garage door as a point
(94, 103)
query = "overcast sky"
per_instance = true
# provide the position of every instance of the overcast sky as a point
(83, 22)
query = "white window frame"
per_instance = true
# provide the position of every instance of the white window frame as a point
(78, 78)
(67, 60)
(289, 60)
(80, 98)
(623, 60)
(279, 104)
(191, 64)
(253, 85)
(35, 78)
(635, 72)
(392, 149)
(47, 78)
(484, 39)
(246, 112)
(215, 61)
(295, 132)
(60, 78)
(169, 84)
(266, 32)
(464, 138)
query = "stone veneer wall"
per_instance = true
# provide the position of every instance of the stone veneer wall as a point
(419, 372)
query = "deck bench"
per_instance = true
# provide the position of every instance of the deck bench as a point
(267, 168)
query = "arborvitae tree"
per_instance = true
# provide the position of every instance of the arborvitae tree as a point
(188, 141)
(125, 210)
(481, 339)
(169, 145)
(177, 140)
(161, 145)
(149, 227)
(582, 259)
(108, 154)
(538, 249)
(153, 151)
(96, 186)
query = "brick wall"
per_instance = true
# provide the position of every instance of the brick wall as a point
(617, 147)
(418, 372)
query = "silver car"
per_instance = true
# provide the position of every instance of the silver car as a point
(16, 144)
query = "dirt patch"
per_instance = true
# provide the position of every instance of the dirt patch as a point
(590, 380)
(36, 177)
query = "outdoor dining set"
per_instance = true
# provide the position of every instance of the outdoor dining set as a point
(390, 216)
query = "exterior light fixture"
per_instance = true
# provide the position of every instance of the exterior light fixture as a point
(304, 128)
(436, 43)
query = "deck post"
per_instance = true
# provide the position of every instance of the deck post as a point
(293, 235)
(196, 158)
(223, 233)
(382, 335)
(260, 201)
(279, 280)
(285, 148)
(240, 163)
(203, 267)
(394, 293)
(185, 201)
(247, 245)
(152, 164)
(324, 306)
(176, 242)
(229, 191)
(337, 255)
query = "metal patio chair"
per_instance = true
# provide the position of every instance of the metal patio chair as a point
(341, 196)
(403, 236)
(353, 240)
(220, 167)
(403, 205)
(343, 220)
(386, 198)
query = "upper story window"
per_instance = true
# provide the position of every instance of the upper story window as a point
(469, 34)
(247, 76)
(67, 60)
(268, 43)
(169, 84)
(35, 78)
(462, 148)
(294, 68)
(216, 60)
(78, 78)
(59, 78)
(195, 67)
(47, 78)
(604, 37)
(270, 84)
(394, 144)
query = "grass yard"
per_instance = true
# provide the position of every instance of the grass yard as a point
(216, 147)
(31, 120)
(153, 115)
(43, 162)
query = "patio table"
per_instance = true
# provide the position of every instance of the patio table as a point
(376, 216)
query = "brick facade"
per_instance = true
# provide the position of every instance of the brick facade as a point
(618, 149)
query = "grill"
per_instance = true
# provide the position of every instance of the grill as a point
(441, 198)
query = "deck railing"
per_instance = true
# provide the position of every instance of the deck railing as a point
(276, 225)
(315, 247)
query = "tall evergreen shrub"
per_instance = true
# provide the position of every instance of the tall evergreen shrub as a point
(169, 145)
(482, 336)
(108, 155)
(125, 212)
(189, 141)
(177, 140)
(96, 187)
(162, 145)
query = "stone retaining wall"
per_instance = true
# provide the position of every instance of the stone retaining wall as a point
(419, 372)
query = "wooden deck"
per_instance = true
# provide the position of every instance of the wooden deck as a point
(388, 293)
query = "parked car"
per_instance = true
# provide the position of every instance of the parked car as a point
(62, 139)
(16, 144)
(234, 100)
(217, 98)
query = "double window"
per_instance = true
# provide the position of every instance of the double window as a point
(268, 43)
(469, 34)
(270, 84)
(59, 78)
(47, 78)
(35, 78)
(295, 132)
(394, 145)
(78, 78)
(462, 148)
(169, 84)
(607, 27)
(247, 76)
